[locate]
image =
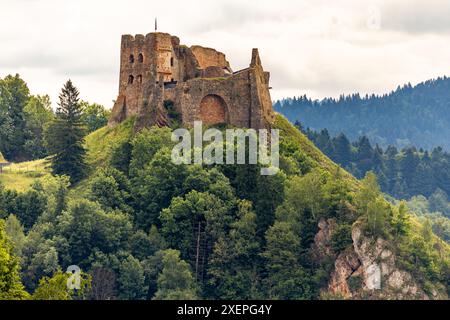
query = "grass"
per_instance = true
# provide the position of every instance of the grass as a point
(20, 176)
(289, 131)
(99, 145)
(2, 159)
(101, 142)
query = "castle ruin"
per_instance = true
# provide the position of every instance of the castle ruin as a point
(163, 82)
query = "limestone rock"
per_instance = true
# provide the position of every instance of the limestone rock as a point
(373, 262)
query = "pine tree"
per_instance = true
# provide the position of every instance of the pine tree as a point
(65, 136)
(131, 279)
(401, 220)
(365, 154)
(342, 150)
(286, 278)
(378, 215)
(369, 192)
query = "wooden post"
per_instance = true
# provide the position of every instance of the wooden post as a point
(198, 251)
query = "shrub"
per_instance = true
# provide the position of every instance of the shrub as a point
(341, 237)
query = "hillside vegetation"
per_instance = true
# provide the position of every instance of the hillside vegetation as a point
(224, 232)
(418, 175)
(24, 117)
(20, 176)
(402, 173)
(102, 142)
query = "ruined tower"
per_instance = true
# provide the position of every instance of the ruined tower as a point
(163, 82)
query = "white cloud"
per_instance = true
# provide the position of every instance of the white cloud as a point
(320, 48)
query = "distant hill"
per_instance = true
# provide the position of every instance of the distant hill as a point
(409, 116)
(401, 173)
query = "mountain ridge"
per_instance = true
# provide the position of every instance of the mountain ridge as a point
(409, 116)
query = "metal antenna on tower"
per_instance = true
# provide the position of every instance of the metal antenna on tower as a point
(156, 24)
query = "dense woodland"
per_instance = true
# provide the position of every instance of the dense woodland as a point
(401, 173)
(418, 175)
(410, 116)
(141, 227)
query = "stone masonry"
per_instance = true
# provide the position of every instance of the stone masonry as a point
(163, 82)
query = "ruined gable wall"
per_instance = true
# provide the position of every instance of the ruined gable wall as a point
(208, 57)
(261, 102)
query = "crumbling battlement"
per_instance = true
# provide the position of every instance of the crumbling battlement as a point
(162, 82)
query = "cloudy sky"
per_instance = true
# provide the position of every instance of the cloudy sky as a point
(314, 47)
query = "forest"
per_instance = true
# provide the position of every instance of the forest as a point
(24, 117)
(410, 116)
(402, 173)
(420, 176)
(111, 201)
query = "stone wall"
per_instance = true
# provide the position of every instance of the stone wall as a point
(198, 82)
(208, 57)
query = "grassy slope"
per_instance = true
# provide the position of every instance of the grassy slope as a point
(19, 176)
(100, 143)
(288, 131)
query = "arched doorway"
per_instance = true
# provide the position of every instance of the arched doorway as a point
(213, 110)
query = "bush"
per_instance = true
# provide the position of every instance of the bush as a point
(341, 237)
(355, 283)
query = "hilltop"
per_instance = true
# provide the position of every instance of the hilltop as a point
(317, 231)
(362, 253)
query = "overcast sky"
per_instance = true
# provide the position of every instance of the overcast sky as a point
(314, 47)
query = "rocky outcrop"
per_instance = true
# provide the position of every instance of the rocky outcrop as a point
(347, 266)
(322, 240)
(381, 277)
(367, 269)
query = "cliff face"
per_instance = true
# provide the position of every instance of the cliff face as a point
(367, 269)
